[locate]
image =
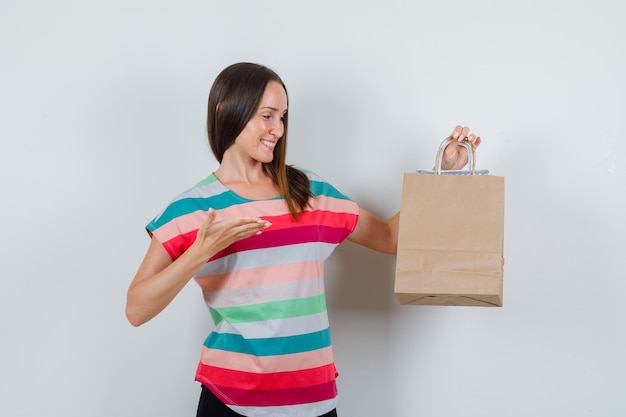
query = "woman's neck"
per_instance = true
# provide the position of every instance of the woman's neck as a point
(251, 183)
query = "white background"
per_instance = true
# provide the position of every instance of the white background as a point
(102, 113)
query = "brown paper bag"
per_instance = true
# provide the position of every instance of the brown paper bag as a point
(450, 242)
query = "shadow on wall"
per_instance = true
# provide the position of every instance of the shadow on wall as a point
(360, 303)
(358, 278)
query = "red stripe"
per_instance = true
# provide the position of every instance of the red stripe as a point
(176, 246)
(269, 381)
(277, 397)
(284, 231)
(312, 218)
(284, 237)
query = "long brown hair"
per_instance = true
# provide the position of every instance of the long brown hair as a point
(233, 100)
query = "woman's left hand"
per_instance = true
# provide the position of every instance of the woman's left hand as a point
(455, 155)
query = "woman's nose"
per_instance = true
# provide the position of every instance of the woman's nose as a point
(277, 128)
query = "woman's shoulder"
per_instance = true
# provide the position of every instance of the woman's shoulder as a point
(207, 187)
(321, 187)
(197, 197)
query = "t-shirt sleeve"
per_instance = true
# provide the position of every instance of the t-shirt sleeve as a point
(345, 211)
(176, 226)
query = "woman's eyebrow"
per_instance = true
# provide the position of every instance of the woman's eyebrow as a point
(273, 109)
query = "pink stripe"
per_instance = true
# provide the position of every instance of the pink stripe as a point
(279, 363)
(254, 208)
(181, 225)
(267, 275)
(272, 208)
(336, 204)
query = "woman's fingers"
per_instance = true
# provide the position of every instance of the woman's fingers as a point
(216, 235)
(455, 156)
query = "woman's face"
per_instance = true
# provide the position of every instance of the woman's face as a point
(259, 138)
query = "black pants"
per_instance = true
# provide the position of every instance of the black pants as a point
(211, 406)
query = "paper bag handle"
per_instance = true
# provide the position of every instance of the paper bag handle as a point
(471, 154)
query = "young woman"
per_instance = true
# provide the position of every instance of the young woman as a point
(254, 235)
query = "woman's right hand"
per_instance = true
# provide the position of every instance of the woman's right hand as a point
(213, 236)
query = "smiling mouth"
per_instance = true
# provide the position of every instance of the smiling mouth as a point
(268, 143)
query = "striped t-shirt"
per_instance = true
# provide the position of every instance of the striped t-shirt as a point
(270, 351)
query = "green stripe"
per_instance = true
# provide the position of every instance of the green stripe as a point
(208, 180)
(270, 311)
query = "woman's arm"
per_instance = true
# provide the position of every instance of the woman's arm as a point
(375, 233)
(159, 279)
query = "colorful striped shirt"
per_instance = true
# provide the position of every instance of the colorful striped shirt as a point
(269, 353)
